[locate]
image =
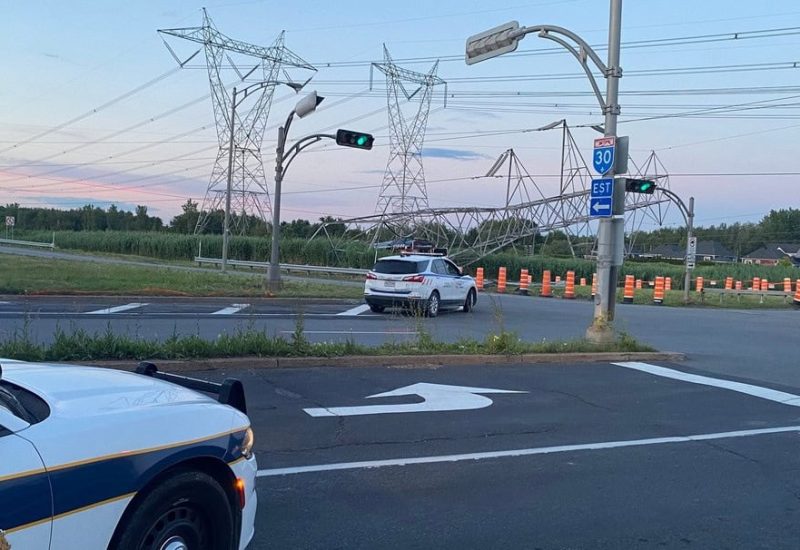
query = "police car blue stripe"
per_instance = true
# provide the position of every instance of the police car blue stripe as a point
(83, 485)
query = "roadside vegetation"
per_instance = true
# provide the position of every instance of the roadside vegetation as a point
(24, 275)
(80, 345)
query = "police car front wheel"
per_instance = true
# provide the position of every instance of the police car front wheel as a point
(187, 511)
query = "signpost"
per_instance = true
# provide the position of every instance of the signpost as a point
(603, 154)
(691, 253)
(10, 222)
(601, 198)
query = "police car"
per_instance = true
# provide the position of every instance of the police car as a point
(425, 282)
(103, 459)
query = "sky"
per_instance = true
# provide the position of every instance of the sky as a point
(94, 108)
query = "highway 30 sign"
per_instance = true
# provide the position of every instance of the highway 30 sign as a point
(603, 154)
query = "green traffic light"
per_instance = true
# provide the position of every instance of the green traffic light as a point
(645, 186)
(361, 140)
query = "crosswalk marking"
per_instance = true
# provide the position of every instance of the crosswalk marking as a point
(358, 310)
(235, 308)
(116, 309)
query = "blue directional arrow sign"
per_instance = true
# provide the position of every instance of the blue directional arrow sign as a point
(602, 193)
(603, 154)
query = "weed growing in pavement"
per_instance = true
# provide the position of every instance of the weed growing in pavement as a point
(300, 344)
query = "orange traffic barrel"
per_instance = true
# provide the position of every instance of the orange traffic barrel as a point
(738, 285)
(797, 293)
(627, 297)
(523, 282)
(546, 292)
(764, 285)
(698, 285)
(501, 280)
(583, 281)
(569, 289)
(658, 292)
(728, 283)
(479, 278)
(594, 284)
(787, 285)
(756, 284)
(667, 284)
(638, 284)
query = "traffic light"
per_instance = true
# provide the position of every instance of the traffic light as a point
(349, 138)
(647, 187)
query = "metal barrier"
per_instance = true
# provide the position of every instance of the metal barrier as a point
(287, 267)
(739, 293)
(51, 246)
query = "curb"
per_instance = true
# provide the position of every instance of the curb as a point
(399, 361)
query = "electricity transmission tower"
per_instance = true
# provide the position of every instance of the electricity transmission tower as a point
(240, 129)
(403, 188)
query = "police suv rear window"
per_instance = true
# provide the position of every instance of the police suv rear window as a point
(399, 267)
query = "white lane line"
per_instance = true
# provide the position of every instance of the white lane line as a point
(358, 310)
(748, 389)
(352, 332)
(522, 452)
(117, 309)
(235, 308)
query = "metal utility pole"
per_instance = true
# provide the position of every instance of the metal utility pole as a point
(691, 250)
(611, 234)
(284, 158)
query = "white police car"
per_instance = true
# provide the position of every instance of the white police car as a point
(424, 282)
(103, 459)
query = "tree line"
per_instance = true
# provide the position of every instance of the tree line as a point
(779, 226)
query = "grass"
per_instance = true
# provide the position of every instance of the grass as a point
(22, 275)
(80, 345)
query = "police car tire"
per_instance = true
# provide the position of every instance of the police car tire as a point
(432, 305)
(469, 303)
(376, 308)
(184, 493)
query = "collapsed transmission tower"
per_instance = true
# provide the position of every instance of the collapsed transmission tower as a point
(240, 131)
(529, 209)
(403, 188)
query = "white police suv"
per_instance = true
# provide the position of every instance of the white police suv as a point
(103, 459)
(427, 283)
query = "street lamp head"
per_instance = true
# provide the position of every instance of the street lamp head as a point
(308, 104)
(296, 86)
(598, 128)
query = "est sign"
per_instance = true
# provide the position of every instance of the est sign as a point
(603, 154)
(601, 197)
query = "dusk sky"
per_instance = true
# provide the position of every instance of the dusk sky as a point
(711, 87)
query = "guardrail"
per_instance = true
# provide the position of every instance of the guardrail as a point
(286, 267)
(51, 246)
(745, 292)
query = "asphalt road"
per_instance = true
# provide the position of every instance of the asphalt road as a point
(757, 344)
(589, 456)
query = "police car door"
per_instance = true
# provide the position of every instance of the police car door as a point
(444, 281)
(460, 284)
(26, 510)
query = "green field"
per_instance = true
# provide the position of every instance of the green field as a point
(23, 275)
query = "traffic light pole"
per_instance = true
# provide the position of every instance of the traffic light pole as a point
(282, 161)
(610, 234)
(611, 237)
(688, 216)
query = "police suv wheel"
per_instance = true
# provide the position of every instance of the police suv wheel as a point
(189, 511)
(432, 307)
(469, 303)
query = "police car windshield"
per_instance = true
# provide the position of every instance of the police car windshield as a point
(399, 267)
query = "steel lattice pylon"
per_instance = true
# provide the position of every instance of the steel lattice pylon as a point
(403, 188)
(471, 233)
(249, 191)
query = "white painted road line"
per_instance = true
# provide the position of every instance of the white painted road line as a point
(235, 308)
(358, 310)
(522, 452)
(748, 389)
(397, 332)
(117, 309)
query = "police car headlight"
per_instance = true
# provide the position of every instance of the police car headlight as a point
(247, 443)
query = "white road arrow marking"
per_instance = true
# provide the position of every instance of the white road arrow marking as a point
(235, 308)
(600, 206)
(435, 397)
(117, 309)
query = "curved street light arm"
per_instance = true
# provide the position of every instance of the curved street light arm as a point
(582, 60)
(301, 144)
(677, 200)
(584, 47)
